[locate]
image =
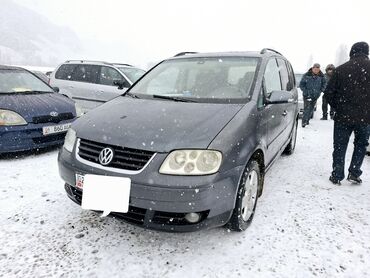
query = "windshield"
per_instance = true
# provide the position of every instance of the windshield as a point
(20, 81)
(209, 79)
(132, 73)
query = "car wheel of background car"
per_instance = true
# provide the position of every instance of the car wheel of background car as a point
(293, 140)
(246, 199)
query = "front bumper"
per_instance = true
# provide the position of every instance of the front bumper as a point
(162, 201)
(28, 137)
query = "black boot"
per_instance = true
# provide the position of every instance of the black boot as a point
(324, 118)
(334, 180)
(354, 179)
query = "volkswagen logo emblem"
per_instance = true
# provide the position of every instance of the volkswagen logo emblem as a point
(54, 114)
(106, 156)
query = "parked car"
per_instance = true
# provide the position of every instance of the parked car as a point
(92, 83)
(192, 140)
(32, 115)
(298, 77)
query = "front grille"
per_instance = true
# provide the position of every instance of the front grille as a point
(124, 158)
(51, 119)
(134, 215)
(49, 138)
(137, 215)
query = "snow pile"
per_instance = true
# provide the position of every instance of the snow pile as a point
(304, 226)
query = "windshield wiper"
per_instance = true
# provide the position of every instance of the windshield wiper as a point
(131, 95)
(174, 98)
(29, 92)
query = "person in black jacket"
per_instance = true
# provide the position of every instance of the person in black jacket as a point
(329, 71)
(348, 92)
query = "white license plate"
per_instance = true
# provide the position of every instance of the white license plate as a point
(105, 193)
(47, 130)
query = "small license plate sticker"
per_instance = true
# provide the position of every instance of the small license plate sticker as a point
(80, 181)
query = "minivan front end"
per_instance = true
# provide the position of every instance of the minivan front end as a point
(157, 200)
(158, 135)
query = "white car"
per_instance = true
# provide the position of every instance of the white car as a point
(92, 83)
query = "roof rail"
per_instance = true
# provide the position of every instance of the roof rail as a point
(120, 64)
(263, 51)
(88, 61)
(184, 53)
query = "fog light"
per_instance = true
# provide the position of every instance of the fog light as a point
(192, 217)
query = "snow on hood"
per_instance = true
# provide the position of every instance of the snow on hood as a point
(156, 125)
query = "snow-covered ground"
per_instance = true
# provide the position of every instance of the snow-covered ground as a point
(304, 226)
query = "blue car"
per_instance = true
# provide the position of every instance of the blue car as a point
(32, 114)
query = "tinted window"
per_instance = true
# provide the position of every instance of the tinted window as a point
(65, 71)
(291, 74)
(283, 75)
(85, 73)
(109, 75)
(272, 77)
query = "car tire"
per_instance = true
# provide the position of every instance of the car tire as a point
(247, 196)
(293, 140)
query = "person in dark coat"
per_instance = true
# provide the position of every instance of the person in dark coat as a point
(329, 71)
(348, 92)
(312, 84)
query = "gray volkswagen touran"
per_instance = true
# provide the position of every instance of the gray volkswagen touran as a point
(189, 143)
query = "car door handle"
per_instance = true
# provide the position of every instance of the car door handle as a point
(285, 113)
(99, 92)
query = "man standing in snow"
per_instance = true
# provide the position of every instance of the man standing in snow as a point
(348, 92)
(329, 71)
(312, 84)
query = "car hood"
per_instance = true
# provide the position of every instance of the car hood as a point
(32, 105)
(156, 125)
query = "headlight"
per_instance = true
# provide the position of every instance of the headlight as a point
(79, 111)
(191, 162)
(11, 118)
(70, 140)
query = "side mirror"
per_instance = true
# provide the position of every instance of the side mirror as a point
(121, 84)
(56, 89)
(280, 97)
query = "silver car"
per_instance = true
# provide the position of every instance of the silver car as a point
(91, 83)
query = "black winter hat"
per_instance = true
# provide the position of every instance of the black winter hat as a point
(359, 48)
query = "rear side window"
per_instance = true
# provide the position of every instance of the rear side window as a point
(85, 73)
(108, 75)
(272, 77)
(284, 75)
(65, 72)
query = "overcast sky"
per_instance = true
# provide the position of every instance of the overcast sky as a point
(141, 32)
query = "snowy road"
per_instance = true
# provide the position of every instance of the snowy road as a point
(304, 227)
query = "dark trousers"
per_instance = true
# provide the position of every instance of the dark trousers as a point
(309, 107)
(342, 133)
(325, 105)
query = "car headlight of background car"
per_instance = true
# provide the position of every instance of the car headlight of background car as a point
(70, 140)
(192, 162)
(8, 118)
(79, 111)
